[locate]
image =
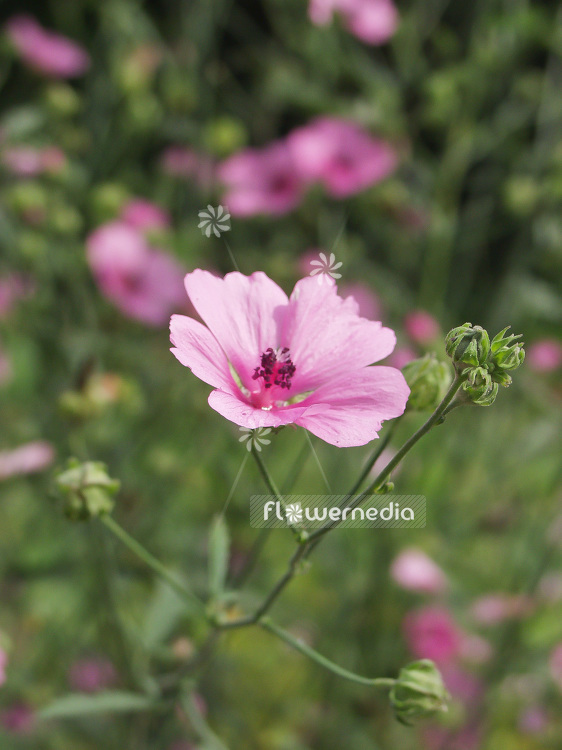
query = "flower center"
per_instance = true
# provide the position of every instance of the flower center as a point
(276, 368)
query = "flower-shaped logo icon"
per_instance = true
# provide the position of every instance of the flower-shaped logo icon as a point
(255, 438)
(293, 513)
(215, 220)
(327, 267)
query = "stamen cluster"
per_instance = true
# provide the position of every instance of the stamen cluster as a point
(276, 368)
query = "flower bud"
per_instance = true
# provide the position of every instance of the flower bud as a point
(504, 353)
(429, 380)
(418, 692)
(479, 387)
(87, 488)
(468, 344)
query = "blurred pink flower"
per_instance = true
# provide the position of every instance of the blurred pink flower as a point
(17, 718)
(401, 356)
(28, 458)
(26, 161)
(415, 571)
(91, 675)
(431, 633)
(45, 51)
(184, 162)
(144, 215)
(275, 361)
(462, 685)
(372, 21)
(468, 737)
(261, 181)
(493, 609)
(475, 649)
(544, 355)
(144, 283)
(555, 665)
(533, 720)
(341, 155)
(3, 665)
(369, 303)
(421, 327)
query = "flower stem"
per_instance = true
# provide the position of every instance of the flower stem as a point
(268, 479)
(137, 549)
(299, 645)
(375, 456)
(385, 473)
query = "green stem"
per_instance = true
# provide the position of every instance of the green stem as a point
(137, 549)
(298, 645)
(375, 456)
(385, 473)
(268, 479)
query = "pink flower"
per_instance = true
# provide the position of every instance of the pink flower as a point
(12, 288)
(555, 665)
(421, 327)
(533, 720)
(275, 361)
(494, 609)
(45, 51)
(431, 633)
(3, 665)
(26, 459)
(341, 155)
(25, 161)
(545, 355)
(92, 675)
(369, 303)
(261, 181)
(17, 718)
(144, 215)
(183, 162)
(372, 21)
(414, 570)
(144, 283)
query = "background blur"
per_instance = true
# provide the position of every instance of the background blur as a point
(466, 224)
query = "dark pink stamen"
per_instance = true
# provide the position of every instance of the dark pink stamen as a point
(276, 368)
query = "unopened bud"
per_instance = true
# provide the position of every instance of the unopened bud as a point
(87, 488)
(418, 692)
(506, 352)
(479, 387)
(429, 380)
(468, 345)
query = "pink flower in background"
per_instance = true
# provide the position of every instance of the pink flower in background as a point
(185, 163)
(415, 571)
(261, 181)
(533, 720)
(26, 161)
(401, 356)
(341, 155)
(431, 633)
(144, 283)
(468, 737)
(145, 215)
(475, 649)
(372, 21)
(13, 287)
(369, 303)
(45, 51)
(275, 361)
(555, 665)
(3, 665)
(422, 327)
(17, 718)
(493, 609)
(545, 355)
(92, 675)
(28, 458)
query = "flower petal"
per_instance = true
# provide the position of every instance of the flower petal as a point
(197, 348)
(327, 338)
(242, 312)
(245, 415)
(354, 407)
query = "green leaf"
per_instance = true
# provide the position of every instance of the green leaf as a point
(163, 614)
(112, 701)
(218, 556)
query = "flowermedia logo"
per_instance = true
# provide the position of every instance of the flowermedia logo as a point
(315, 511)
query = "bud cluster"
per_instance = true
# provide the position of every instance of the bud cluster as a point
(484, 363)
